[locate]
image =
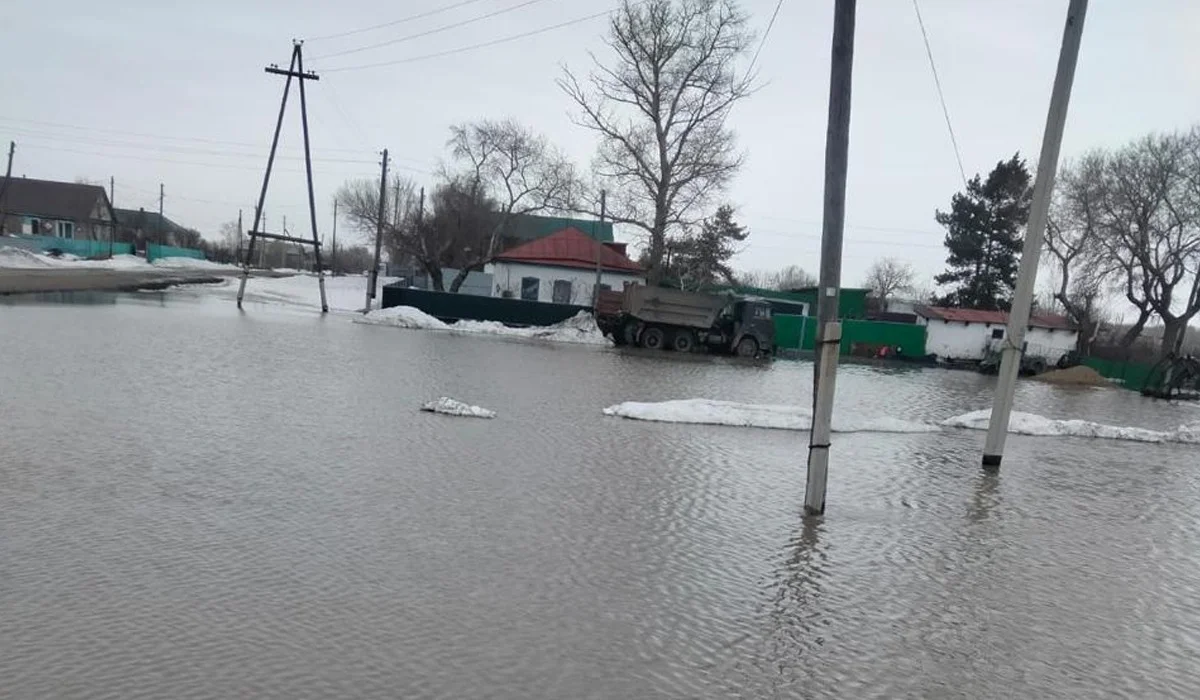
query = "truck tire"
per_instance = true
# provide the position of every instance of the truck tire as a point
(746, 347)
(683, 340)
(653, 338)
(628, 332)
(1037, 366)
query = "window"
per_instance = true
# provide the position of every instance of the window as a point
(530, 287)
(605, 287)
(997, 334)
(762, 311)
(64, 229)
(35, 227)
(562, 292)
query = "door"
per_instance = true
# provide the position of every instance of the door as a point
(530, 288)
(562, 292)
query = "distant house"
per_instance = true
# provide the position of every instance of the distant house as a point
(140, 226)
(970, 334)
(561, 268)
(67, 210)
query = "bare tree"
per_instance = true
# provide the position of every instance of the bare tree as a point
(660, 111)
(788, 278)
(1149, 221)
(403, 236)
(886, 277)
(517, 169)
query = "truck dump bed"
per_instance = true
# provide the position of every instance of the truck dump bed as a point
(672, 306)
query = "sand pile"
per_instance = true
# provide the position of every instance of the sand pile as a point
(1079, 375)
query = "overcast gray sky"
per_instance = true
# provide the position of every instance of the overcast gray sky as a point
(151, 92)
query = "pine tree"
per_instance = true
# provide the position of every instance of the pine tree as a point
(703, 260)
(984, 230)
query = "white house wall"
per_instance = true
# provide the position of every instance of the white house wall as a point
(971, 341)
(506, 276)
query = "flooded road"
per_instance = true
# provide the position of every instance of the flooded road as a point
(196, 503)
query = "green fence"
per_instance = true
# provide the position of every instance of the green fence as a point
(1132, 375)
(858, 337)
(155, 251)
(70, 246)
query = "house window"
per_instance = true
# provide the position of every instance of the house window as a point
(530, 287)
(64, 229)
(605, 287)
(562, 292)
(35, 227)
(997, 334)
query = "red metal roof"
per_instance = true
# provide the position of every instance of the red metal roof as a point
(949, 315)
(569, 247)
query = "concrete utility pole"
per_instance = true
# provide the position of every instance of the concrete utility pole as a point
(112, 225)
(238, 255)
(333, 256)
(829, 330)
(1043, 186)
(12, 147)
(599, 251)
(371, 280)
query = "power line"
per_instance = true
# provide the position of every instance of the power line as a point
(167, 149)
(429, 32)
(402, 20)
(472, 47)
(941, 96)
(146, 159)
(766, 34)
(59, 125)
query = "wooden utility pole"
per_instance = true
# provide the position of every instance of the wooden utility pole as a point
(161, 240)
(12, 147)
(829, 330)
(599, 251)
(1043, 186)
(238, 254)
(112, 213)
(374, 276)
(333, 256)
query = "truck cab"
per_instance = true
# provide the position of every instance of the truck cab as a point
(747, 327)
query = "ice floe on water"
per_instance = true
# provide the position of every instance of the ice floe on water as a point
(580, 328)
(1032, 424)
(779, 417)
(450, 407)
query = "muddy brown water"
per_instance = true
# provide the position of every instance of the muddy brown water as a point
(196, 503)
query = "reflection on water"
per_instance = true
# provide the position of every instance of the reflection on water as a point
(247, 505)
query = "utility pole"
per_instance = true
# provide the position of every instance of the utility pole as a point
(12, 147)
(112, 212)
(374, 276)
(1043, 186)
(238, 255)
(599, 250)
(161, 239)
(333, 256)
(829, 330)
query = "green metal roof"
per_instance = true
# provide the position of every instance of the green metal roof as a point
(529, 227)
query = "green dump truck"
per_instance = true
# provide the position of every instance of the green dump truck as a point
(659, 318)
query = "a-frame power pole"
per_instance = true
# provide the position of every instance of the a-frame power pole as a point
(294, 70)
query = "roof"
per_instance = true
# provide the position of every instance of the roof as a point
(951, 315)
(145, 220)
(51, 199)
(530, 227)
(569, 247)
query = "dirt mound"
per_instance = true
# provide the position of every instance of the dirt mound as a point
(1079, 375)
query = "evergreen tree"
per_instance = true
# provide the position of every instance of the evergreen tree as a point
(984, 230)
(703, 260)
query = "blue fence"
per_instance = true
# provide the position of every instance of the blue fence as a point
(155, 251)
(70, 246)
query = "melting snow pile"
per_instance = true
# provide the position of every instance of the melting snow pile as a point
(192, 264)
(448, 406)
(402, 317)
(21, 259)
(711, 412)
(580, 328)
(1033, 424)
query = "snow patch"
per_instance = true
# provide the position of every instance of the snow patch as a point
(21, 259)
(581, 328)
(1032, 424)
(450, 407)
(779, 417)
(192, 264)
(402, 317)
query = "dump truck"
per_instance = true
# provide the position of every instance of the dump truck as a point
(659, 318)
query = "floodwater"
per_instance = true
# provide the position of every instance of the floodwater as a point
(196, 503)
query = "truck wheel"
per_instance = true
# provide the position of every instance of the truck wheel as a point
(628, 333)
(1038, 366)
(653, 338)
(747, 347)
(683, 341)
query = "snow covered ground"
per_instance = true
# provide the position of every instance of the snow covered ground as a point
(580, 329)
(22, 259)
(710, 412)
(344, 294)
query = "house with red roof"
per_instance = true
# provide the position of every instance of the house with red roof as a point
(970, 334)
(561, 268)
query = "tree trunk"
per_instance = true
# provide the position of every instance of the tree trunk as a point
(435, 277)
(461, 277)
(1135, 330)
(1173, 330)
